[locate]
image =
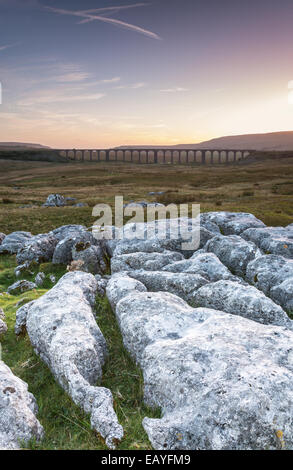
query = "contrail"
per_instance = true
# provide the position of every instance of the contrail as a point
(89, 17)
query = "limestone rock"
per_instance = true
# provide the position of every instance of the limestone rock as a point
(68, 231)
(272, 240)
(232, 223)
(18, 422)
(147, 261)
(3, 326)
(120, 285)
(63, 250)
(64, 333)
(13, 242)
(184, 285)
(21, 286)
(246, 301)
(269, 271)
(39, 248)
(92, 257)
(233, 251)
(282, 294)
(55, 200)
(40, 278)
(2, 236)
(207, 265)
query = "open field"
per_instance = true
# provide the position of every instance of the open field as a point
(264, 188)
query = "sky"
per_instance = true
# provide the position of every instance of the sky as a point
(102, 73)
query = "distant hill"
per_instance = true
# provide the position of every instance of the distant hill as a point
(273, 141)
(20, 145)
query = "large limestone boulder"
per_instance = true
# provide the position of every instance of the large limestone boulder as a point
(121, 285)
(233, 251)
(184, 285)
(269, 271)
(207, 265)
(63, 332)
(63, 250)
(18, 421)
(147, 261)
(68, 231)
(246, 301)
(232, 223)
(282, 294)
(222, 381)
(272, 240)
(13, 242)
(39, 248)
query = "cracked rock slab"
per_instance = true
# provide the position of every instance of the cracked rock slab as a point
(269, 271)
(233, 252)
(232, 223)
(146, 261)
(120, 285)
(63, 332)
(272, 240)
(246, 301)
(184, 285)
(39, 248)
(18, 421)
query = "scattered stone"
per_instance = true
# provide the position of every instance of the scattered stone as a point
(80, 204)
(26, 269)
(18, 422)
(39, 249)
(146, 261)
(52, 278)
(40, 278)
(63, 331)
(246, 301)
(233, 251)
(55, 200)
(182, 284)
(21, 286)
(13, 242)
(272, 240)
(102, 283)
(205, 264)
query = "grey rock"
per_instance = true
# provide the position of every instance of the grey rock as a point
(63, 250)
(119, 286)
(269, 271)
(2, 236)
(272, 240)
(92, 257)
(232, 223)
(207, 265)
(68, 231)
(282, 294)
(13, 242)
(21, 286)
(182, 284)
(217, 377)
(55, 200)
(52, 278)
(40, 278)
(147, 261)
(233, 251)
(27, 268)
(80, 204)
(219, 387)
(3, 326)
(246, 301)
(18, 422)
(102, 283)
(21, 316)
(64, 333)
(39, 248)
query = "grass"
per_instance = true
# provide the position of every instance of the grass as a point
(263, 187)
(66, 426)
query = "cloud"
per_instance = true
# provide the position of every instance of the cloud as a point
(72, 77)
(134, 86)
(6, 46)
(52, 96)
(91, 17)
(173, 90)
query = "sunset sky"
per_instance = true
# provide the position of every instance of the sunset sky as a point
(84, 74)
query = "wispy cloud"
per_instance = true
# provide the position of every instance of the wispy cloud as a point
(6, 46)
(174, 90)
(53, 96)
(88, 16)
(133, 86)
(72, 77)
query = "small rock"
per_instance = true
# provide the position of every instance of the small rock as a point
(14, 241)
(2, 236)
(55, 200)
(21, 286)
(40, 278)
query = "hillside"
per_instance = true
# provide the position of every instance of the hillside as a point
(20, 145)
